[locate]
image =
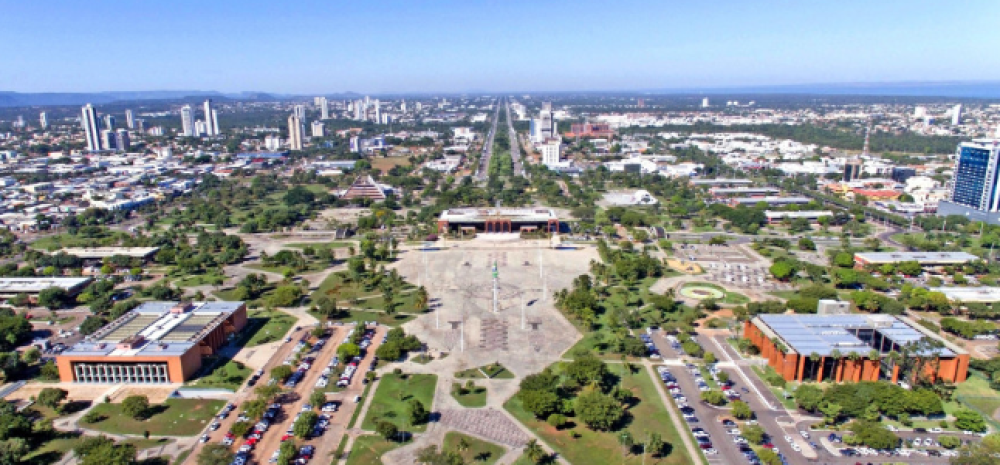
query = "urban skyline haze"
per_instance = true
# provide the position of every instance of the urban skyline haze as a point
(396, 46)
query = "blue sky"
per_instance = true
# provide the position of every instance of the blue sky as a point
(436, 45)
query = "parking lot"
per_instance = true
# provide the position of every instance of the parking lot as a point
(317, 369)
(713, 427)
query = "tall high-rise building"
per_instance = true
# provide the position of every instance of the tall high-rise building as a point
(419, 106)
(378, 112)
(43, 120)
(91, 128)
(129, 119)
(109, 122)
(211, 119)
(295, 131)
(704, 102)
(550, 152)
(108, 140)
(187, 121)
(318, 129)
(300, 111)
(956, 115)
(852, 170)
(976, 174)
(402, 106)
(140, 125)
(359, 110)
(122, 141)
(324, 107)
(215, 122)
(199, 128)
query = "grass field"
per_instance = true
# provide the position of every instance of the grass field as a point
(392, 397)
(474, 398)
(229, 375)
(733, 298)
(479, 451)
(272, 326)
(175, 417)
(51, 451)
(210, 279)
(58, 241)
(595, 447)
(492, 371)
(368, 450)
(352, 294)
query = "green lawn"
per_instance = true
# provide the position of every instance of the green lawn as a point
(475, 398)
(594, 447)
(492, 371)
(311, 267)
(368, 450)
(734, 298)
(353, 295)
(142, 443)
(392, 397)
(210, 279)
(478, 451)
(58, 241)
(229, 375)
(270, 326)
(175, 417)
(51, 451)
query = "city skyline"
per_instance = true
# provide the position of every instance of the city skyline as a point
(497, 47)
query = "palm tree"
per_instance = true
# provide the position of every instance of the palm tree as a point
(534, 451)
(422, 298)
(462, 446)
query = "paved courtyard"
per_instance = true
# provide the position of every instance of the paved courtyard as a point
(525, 332)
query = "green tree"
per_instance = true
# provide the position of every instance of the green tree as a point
(539, 402)
(808, 397)
(597, 410)
(654, 445)
(626, 440)
(741, 410)
(282, 372)
(806, 243)
(53, 298)
(31, 355)
(317, 398)
(968, 420)
(754, 434)
(51, 397)
(781, 270)
(240, 428)
(417, 413)
(713, 397)
(534, 451)
(13, 450)
(287, 452)
(387, 430)
(304, 425)
(215, 454)
(347, 351)
(136, 406)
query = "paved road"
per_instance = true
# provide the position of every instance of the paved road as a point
(515, 145)
(484, 161)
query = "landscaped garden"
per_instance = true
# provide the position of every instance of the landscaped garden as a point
(395, 398)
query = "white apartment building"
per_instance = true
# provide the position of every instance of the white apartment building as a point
(551, 152)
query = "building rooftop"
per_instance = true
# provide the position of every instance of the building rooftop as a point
(822, 334)
(156, 328)
(943, 258)
(970, 294)
(36, 285)
(103, 252)
(771, 199)
(472, 215)
(797, 214)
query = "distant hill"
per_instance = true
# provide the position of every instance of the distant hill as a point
(985, 90)
(17, 99)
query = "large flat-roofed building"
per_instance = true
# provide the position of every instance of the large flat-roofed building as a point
(855, 348)
(157, 342)
(981, 295)
(99, 253)
(862, 259)
(499, 219)
(743, 191)
(10, 287)
(721, 182)
(770, 200)
(811, 215)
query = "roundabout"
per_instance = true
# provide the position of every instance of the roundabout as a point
(701, 292)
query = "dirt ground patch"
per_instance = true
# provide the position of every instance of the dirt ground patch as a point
(684, 267)
(156, 394)
(388, 163)
(77, 392)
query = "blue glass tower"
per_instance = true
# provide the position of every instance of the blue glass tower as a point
(975, 181)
